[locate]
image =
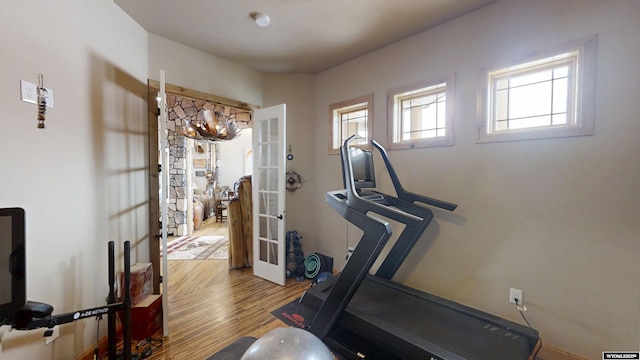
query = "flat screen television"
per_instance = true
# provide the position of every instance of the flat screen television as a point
(362, 167)
(12, 262)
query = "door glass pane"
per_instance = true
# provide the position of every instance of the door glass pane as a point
(262, 179)
(263, 251)
(273, 180)
(263, 155)
(263, 227)
(273, 227)
(273, 253)
(264, 131)
(273, 206)
(268, 249)
(273, 155)
(262, 203)
(273, 129)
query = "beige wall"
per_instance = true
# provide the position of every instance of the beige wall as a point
(556, 218)
(297, 91)
(82, 180)
(197, 70)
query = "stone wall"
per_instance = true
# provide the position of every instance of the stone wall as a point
(180, 108)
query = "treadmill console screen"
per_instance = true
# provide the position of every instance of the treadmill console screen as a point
(362, 167)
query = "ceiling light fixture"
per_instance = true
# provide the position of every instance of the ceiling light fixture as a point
(261, 19)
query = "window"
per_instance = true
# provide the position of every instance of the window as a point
(348, 118)
(547, 97)
(421, 115)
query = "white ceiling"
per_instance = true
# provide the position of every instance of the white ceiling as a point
(305, 36)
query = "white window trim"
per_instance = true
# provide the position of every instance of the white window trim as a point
(392, 112)
(334, 124)
(585, 97)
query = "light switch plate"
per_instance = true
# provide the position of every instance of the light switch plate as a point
(29, 93)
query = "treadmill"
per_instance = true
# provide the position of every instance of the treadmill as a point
(364, 316)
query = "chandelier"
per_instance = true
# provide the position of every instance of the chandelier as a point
(215, 127)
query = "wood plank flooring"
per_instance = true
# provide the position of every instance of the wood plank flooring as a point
(211, 305)
(211, 227)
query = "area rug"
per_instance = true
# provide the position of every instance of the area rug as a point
(198, 248)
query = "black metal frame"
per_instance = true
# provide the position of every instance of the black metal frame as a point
(351, 205)
(36, 315)
(371, 244)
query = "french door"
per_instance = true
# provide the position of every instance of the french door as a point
(269, 261)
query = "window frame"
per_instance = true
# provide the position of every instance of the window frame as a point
(335, 136)
(581, 122)
(394, 113)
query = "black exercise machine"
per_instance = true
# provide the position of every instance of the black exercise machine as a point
(363, 316)
(34, 315)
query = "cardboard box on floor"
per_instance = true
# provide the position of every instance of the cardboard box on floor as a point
(146, 317)
(141, 282)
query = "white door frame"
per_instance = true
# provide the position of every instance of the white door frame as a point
(164, 190)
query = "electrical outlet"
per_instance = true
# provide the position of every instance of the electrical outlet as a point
(349, 252)
(515, 294)
(55, 335)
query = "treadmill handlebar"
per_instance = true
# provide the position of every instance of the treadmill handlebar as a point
(354, 200)
(404, 194)
(358, 203)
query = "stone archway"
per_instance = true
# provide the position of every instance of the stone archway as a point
(181, 108)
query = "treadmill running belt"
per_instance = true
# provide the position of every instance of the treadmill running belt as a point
(397, 312)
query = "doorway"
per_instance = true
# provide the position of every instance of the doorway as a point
(191, 105)
(197, 166)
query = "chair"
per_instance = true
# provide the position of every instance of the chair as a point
(221, 205)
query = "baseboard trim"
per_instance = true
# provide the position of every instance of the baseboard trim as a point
(103, 347)
(548, 352)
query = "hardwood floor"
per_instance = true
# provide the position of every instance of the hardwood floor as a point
(211, 305)
(211, 227)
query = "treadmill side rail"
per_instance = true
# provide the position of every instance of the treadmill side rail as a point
(375, 236)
